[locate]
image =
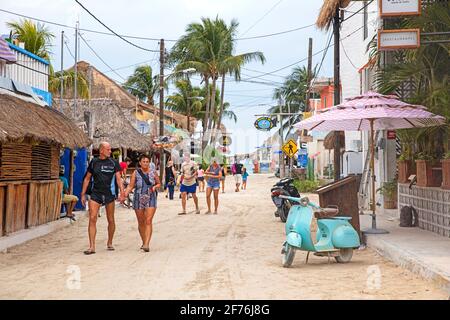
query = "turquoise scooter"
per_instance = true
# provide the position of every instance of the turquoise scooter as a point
(315, 229)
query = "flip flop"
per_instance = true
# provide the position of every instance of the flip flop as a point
(182, 213)
(88, 252)
(110, 248)
(146, 249)
(197, 212)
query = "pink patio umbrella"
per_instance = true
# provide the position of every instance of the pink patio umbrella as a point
(371, 111)
(6, 54)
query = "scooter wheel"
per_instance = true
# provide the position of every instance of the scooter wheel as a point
(288, 256)
(345, 255)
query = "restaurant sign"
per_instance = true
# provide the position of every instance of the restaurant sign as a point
(396, 8)
(398, 39)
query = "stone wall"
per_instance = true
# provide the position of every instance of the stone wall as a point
(432, 205)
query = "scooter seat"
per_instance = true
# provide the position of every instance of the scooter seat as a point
(326, 213)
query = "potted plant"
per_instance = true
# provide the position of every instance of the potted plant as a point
(446, 171)
(389, 191)
(405, 168)
(424, 171)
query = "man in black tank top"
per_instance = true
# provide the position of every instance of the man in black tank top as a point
(105, 173)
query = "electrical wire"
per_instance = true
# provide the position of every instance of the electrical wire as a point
(348, 58)
(100, 58)
(127, 41)
(259, 20)
(26, 67)
(321, 62)
(276, 33)
(362, 8)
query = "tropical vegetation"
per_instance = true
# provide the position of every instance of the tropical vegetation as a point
(209, 47)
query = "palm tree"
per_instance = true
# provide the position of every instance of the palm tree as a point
(143, 84)
(186, 101)
(293, 91)
(37, 37)
(54, 83)
(425, 70)
(208, 47)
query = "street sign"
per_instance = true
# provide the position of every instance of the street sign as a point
(398, 39)
(225, 141)
(264, 124)
(290, 148)
(396, 8)
(304, 145)
(302, 160)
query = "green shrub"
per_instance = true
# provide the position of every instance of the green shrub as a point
(306, 186)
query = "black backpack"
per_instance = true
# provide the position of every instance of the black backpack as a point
(407, 215)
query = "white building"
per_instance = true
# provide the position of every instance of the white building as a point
(357, 77)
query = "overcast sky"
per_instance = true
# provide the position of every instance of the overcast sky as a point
(168, 19)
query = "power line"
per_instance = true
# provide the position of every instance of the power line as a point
(276, 33)
(129, 66)
(348, 58)
(321, 62)
(362, 8)
(81, 29)
(145, 38)
(101, 59)
(259, 20)
(302, 60)
(127, 41)
(26, 67)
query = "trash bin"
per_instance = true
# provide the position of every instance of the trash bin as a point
(344, 194)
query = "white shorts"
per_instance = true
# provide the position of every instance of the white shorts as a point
(238, 178)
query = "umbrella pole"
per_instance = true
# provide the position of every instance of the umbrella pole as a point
(374, 229)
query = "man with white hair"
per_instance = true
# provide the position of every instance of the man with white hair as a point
(189, 183)
(106, 174)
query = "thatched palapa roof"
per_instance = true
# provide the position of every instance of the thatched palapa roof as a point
(103, 87)
(21, 119)
(328, 11)
(109, 124)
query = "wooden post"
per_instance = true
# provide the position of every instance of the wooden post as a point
(337, 96)
(71, 164)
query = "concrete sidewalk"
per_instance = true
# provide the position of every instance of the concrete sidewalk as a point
(417, 250)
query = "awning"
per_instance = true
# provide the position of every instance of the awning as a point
(6, 54)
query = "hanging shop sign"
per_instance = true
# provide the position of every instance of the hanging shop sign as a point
(398, 39)
(264, 124)
(396, 8)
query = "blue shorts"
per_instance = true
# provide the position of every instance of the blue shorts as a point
(189, 189)
(215, 184)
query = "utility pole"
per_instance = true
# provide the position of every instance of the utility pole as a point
(337, 93)
(61, 78)
(309, 74)
(161, 107)
(280, 119)
(75, 93)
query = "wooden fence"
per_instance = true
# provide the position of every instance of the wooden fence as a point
(25, 204)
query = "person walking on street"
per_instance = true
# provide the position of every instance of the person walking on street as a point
(189, 183)
(213, 174)
(145, 181)
(123, 168)
(236, 169)
(171, 188)
(69, 200)
(105, 173)
(222, 178)
(244, 178)
(201, 179)
(170, 174)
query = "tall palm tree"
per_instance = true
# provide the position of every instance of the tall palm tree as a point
(293, 92)
(37, 37)
(186, 101)
(208, 47)
(143, 84)
(54, 83)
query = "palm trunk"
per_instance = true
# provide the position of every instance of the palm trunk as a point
(213, 111)
(206, 117)
(219, 119)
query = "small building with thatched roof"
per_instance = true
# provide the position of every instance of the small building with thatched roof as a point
(103, 87)
(108, 123)
(328, 11)
(31, 139)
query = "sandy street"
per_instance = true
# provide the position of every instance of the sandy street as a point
(232, 255)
